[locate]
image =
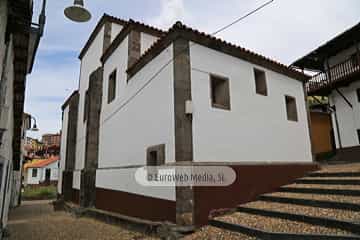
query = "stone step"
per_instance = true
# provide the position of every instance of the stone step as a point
(328, 181)
(318, 197)
(312, 220)
(334, 174)
(336, 214)
(216, 233)
(352, 167)
(267, 227)
(311, 202)
(269, 235)
(320, 190)
(323, 186)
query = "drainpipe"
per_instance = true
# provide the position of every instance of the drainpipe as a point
(337, 126)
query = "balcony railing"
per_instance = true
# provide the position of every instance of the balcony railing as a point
(337, 73)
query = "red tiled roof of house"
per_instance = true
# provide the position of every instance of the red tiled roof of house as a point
(179, 29)
(42, 163)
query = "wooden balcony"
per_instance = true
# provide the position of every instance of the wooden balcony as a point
(339, 75)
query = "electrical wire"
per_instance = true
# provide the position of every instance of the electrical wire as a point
(171, 60)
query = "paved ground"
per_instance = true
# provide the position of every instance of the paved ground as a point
(36, 220)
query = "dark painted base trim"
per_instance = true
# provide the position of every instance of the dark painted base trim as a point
(135, 205)
(348, 154)
(253, 179)
(319, 221)
(275, 235)
(75, 196)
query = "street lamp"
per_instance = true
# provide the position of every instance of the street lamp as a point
(77, 12)
(34, 128)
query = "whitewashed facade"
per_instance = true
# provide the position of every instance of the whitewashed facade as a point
(37, 175)
(144, 88)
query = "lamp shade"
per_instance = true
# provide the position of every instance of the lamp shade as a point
(77, 12)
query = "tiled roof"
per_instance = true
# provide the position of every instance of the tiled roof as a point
(315, 59)
(124, 32)
(180, 30)
(105, 18)
(42, 162)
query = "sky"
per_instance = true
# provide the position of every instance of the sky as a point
(285, 30)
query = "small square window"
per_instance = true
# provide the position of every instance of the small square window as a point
(34, 172)
(358, 133)
(260, 82)
(358, 94)
(155, 157)
(86, 105)
(291, 109)
(112, 87)
(220, 93)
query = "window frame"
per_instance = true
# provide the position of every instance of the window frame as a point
(111, 94)
(257, 83)
(358, 94)
(290, 117)
(34, 173)
(227, 105)
(358, 134)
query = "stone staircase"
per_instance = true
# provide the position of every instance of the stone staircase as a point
(322, 205)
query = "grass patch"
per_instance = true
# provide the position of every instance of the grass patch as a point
(39, 193)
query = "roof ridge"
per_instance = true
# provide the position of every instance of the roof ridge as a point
(130, 25)
(97, 28)
(182, 27)
(146, 25)
(234, 45)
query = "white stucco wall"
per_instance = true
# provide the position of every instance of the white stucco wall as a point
(64, 131)
(76, 179)
(147, 41)
(115, 29)
(256, 128)
(348, 118)
(137, 119)
(34, 180)
(89, 63)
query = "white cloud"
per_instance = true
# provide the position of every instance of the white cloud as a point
(171, 11)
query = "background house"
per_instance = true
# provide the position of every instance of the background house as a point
(42, 171)
(338, 64)
(51, 139)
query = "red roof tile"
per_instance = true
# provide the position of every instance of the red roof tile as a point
(42, 163)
